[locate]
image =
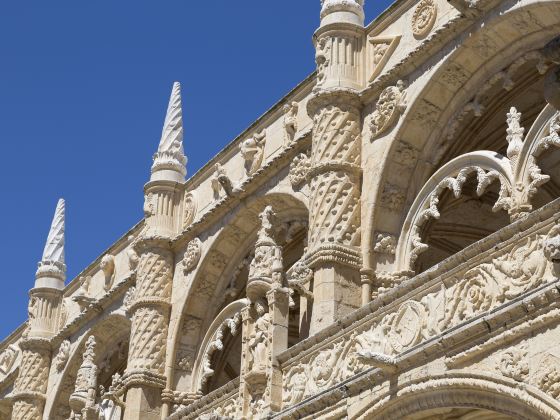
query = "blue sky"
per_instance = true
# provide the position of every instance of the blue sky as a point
(83, 92)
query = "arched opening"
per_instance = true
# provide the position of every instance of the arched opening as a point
(112, 335)
(462, 109)
(463, 220)
(458, 395)
(457, 414)
(221, 280)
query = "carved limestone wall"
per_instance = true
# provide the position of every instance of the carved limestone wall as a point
(505, 266)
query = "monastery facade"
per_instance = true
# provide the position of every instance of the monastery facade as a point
(384, 243)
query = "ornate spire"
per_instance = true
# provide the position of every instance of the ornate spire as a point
(52, 263)
(170, 155)
(351, 11)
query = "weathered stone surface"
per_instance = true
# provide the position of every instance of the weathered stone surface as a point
(383, 243)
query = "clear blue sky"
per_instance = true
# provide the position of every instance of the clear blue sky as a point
(83, 92)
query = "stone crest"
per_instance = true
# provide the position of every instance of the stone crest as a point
(192, 255)
(424, 18)
(407, 326)
(389, 106)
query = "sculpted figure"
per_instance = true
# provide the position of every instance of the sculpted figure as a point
(258, 340)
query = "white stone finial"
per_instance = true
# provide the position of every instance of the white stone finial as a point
(337, 11)
(54, 248)
(52, 263)
(170, 160)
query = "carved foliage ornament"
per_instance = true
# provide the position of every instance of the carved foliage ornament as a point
(389, 106)
(192, 255)
(482, 288)
(424, 18)
(299, 169)
(62, 356)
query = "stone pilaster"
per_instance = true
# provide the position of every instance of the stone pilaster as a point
(335, 175)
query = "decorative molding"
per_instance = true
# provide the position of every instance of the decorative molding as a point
(381, 50)
(385, 243)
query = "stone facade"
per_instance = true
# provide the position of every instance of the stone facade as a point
(383, 243)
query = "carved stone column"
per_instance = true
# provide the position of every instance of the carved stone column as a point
(46, 316)
(265, 325)
(82, 400)
(31, 384)
(144, 378)
(335, 175)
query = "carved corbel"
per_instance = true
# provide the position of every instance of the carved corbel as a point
(299, 276)
(82, 297)
(386, 363)
(221, 180)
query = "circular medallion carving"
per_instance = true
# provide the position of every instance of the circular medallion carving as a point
(192, 255)
(189, 209)
(424, 18)
(407, 325)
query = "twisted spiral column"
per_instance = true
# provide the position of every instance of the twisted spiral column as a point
(144, 377)
(31, 384)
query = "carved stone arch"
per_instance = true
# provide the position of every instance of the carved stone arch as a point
(229, 247)
(406, 156)
(109, 332)
(488, 167)
(541, 137)
(229, 319)
(464, 390)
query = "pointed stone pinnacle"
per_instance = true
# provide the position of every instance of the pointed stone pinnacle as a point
(54, 247)
(170, 155)
(52, 263)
